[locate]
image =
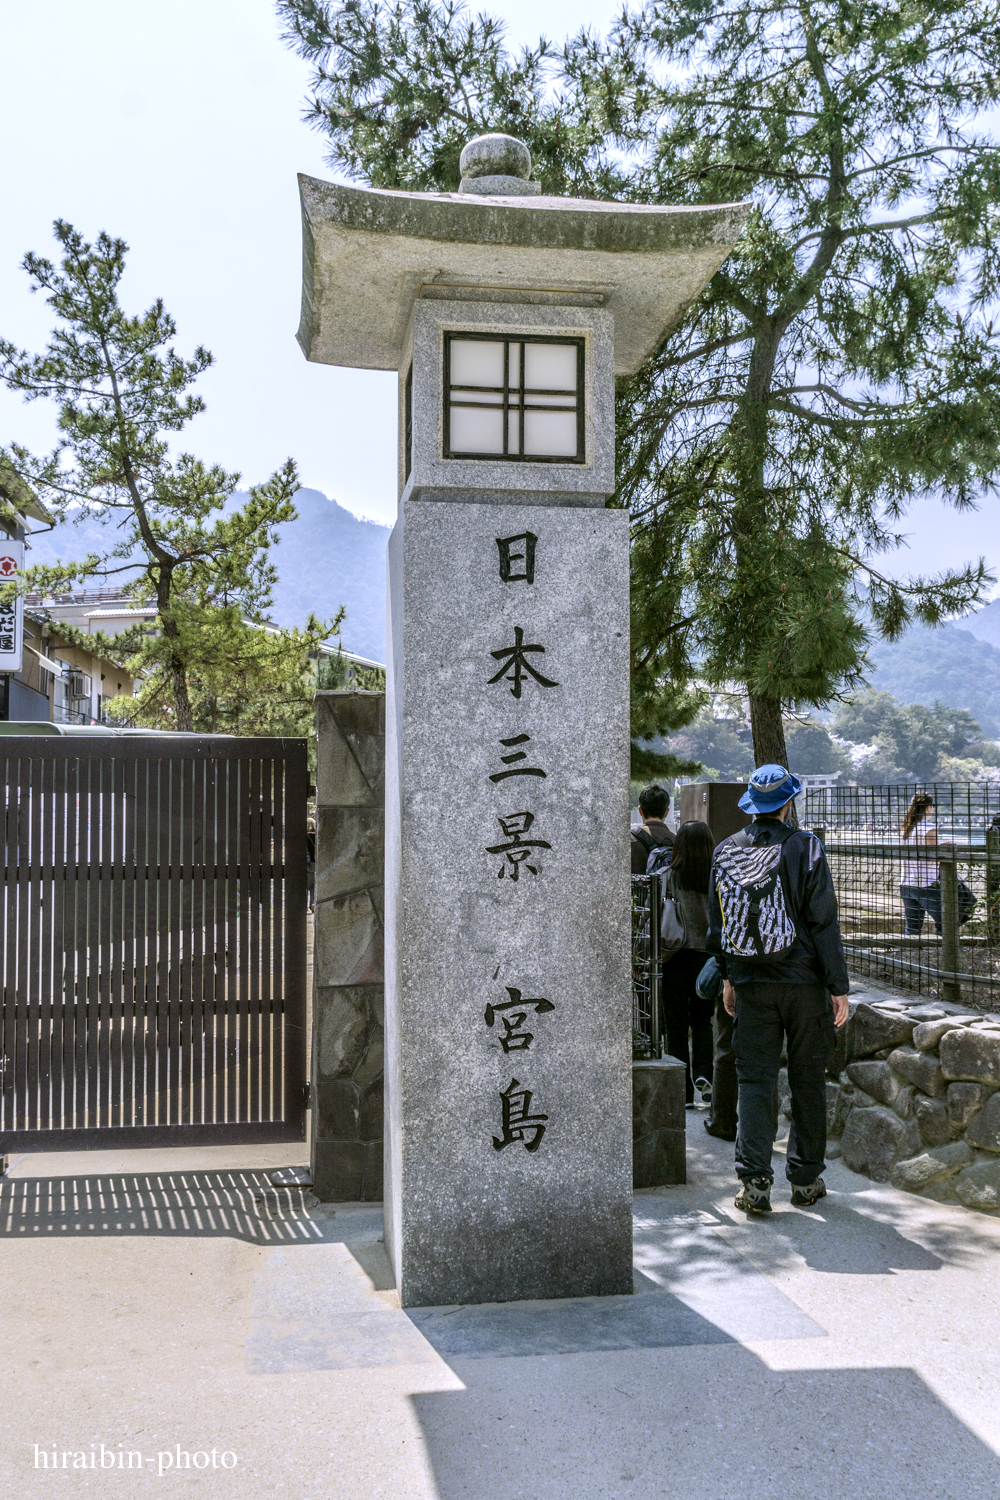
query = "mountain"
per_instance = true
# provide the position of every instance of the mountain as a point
(984, 624)
(947, 664)
(328, 557)
(325, 558)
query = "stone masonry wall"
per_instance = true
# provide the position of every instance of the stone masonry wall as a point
(914, 1099)
(348, 1014)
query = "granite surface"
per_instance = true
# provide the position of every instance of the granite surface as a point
(368, 253)
(495, 154)
(470, 1218)
(500, 187)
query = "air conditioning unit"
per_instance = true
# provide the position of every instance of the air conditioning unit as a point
(78, 685)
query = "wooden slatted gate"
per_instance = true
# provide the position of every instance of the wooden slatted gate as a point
(154, 928)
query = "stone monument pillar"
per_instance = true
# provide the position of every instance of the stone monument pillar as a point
(347, 1049)
(508, 1156)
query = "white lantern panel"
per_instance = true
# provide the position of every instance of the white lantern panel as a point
(550, 434)
(531, 386)
(476, 429)
(550, 367)
(476, 362)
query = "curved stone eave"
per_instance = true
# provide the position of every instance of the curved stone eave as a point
(369, 252)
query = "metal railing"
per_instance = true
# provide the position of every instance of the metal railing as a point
(647, 968)
(922, 917)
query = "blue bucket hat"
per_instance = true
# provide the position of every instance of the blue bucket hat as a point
(770, 788)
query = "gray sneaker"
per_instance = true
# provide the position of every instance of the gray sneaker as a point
(810, 1193)
(754, 1196)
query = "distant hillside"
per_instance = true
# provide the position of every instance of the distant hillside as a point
(325, 558)
(330, 557)
(947, 664)
(984, 624)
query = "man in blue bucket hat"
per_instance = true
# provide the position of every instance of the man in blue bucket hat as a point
(775, 932)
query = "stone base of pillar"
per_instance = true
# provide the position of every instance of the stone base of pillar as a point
(659, 1128)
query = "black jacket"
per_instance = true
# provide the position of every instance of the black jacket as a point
(817, 955)
(652, 835)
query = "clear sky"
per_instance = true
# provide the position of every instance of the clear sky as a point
(177, 126)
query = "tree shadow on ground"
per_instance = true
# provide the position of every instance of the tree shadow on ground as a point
(862, 1228)
(836, 1239)
(863, 1234)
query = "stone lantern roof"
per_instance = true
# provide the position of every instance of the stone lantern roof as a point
(369, 253)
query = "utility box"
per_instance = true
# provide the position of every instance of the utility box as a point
(715, 803)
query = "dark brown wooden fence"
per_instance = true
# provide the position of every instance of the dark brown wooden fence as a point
(154, 959)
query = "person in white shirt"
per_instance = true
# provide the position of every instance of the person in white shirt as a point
(920, 888)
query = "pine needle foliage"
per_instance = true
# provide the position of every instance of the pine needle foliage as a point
(843, 361)
(205, 659)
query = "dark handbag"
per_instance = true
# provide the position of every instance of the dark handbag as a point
(967, 899)
(673, 933)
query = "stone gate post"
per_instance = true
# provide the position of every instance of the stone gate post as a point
(348, 1010)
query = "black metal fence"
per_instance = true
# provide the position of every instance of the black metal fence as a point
(647, 968)
(153, 914)
(921, 916)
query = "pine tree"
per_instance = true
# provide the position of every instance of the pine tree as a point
(174, 537)
(839, 365)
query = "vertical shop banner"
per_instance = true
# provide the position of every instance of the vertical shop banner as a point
(11, 610)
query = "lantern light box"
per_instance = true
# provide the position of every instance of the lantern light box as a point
(514, 398)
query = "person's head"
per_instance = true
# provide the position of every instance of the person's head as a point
(692, 861)
(771, 790)
(921, 804)
(653, 801)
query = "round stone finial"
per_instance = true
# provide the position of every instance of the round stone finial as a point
(497, 165)
(496, 156)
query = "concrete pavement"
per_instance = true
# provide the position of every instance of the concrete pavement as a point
(175, 1303)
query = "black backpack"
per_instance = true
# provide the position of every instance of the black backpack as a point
(645, 838)
(660, 856)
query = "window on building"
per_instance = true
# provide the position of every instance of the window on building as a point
(518, 398)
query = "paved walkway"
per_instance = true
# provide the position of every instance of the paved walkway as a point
(175, 1303)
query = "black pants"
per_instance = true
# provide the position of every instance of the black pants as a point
(683, 1012)
(724, 1085)
(803, 1013)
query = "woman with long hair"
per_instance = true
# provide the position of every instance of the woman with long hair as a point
(919, 882)
(685, 1013)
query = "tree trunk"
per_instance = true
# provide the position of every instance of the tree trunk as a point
(769, 738)
(768, 731)
(182, 703)
(183, 718)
